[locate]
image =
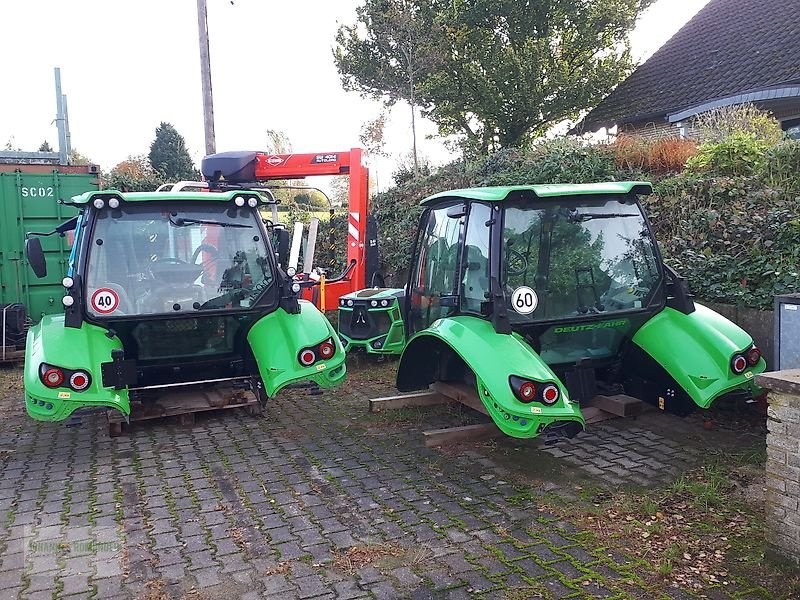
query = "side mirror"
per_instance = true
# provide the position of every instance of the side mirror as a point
(281, 241)
(35, 254)
(457, 211)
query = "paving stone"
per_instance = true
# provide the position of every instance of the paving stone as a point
(207, 577)
(310, 586)
(275, 585)
(557, 589)
(348, 590)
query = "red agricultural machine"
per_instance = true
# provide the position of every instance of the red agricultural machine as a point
(255, 170)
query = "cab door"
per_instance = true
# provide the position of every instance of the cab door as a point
(433, 287)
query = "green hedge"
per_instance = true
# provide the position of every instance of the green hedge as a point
(736, 238)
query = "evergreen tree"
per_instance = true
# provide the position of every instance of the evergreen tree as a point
(169, 156)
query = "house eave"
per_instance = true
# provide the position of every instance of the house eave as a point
(775, 93)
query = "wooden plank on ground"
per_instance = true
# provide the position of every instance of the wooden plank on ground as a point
(10, 354)
(467, 433)
(619, 404)
(461, 392)
(185, 402)
(592, 414)
(425, 398)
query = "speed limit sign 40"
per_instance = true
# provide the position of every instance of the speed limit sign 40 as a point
(524, 300)
(104, 301)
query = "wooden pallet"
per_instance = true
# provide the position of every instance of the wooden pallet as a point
(619, 405)
(11, 354)
(185, 404)
(599, 408)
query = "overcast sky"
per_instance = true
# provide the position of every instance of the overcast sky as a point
(129, 64)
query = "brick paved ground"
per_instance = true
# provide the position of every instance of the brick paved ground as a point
(273, 507)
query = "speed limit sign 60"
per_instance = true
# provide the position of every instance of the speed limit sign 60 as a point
(524, 300)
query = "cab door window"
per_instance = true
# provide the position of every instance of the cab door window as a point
(434, 282)
(475, 262)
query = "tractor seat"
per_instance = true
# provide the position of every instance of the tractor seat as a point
(476, 280)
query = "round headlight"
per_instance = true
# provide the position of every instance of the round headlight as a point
(384, 303)
(239, 201)
(527, 391)
(98, 203)
(53, 377)
(738, 364)
(374, 303)
(550, 394)
(307, 357)
(68, 301)
(291, 271)
(79, 381)
(326, 350)
(67, 282)
(295, 287)
(252, 203)
(349, 303)
(113, 203)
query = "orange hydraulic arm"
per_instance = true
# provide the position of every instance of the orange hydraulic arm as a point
(252, 167)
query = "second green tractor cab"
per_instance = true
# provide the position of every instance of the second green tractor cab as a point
(177, 296)
(544, 296)
(371, 321)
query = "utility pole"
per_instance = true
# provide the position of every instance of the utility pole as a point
(61, 122)
(205, 69)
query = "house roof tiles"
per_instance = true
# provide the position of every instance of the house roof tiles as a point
(731, 47)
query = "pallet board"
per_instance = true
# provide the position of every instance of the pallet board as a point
(452, 435)
(619, 404)
(426, 398)
(460, 392)
(598, 409)
(184, 405)
(11, 354)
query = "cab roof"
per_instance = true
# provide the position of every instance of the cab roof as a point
(500, 193)
(88, 197)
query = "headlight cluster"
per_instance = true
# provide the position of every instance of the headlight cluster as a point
(742, 360)
(55, 377)
(323, 351)
(527, 391)
(348, 302)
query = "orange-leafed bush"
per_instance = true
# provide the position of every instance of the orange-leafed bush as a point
(659, 156)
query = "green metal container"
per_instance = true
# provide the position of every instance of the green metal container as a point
(29, 196)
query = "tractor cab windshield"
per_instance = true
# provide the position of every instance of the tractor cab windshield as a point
(176, 258)
(572, 257)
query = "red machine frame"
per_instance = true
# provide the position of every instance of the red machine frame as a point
(270, 167)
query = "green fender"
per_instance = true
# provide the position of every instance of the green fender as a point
(696, 350)
(69, 348)
(277, 339)
(493, 357)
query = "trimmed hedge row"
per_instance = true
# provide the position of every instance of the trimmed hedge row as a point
(736, 238)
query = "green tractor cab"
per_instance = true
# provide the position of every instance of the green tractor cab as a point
(542, 297)
(371, 321)
(172, 293)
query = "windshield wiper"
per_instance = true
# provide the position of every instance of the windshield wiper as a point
(183, 222)
(576, 217)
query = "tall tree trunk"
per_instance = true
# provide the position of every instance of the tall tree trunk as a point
(414, 137)
(413, 119)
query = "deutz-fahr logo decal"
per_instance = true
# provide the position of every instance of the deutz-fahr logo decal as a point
(592, 326)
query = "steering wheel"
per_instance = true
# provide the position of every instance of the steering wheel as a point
(516, 263)
(204, 248)
(171, 260)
